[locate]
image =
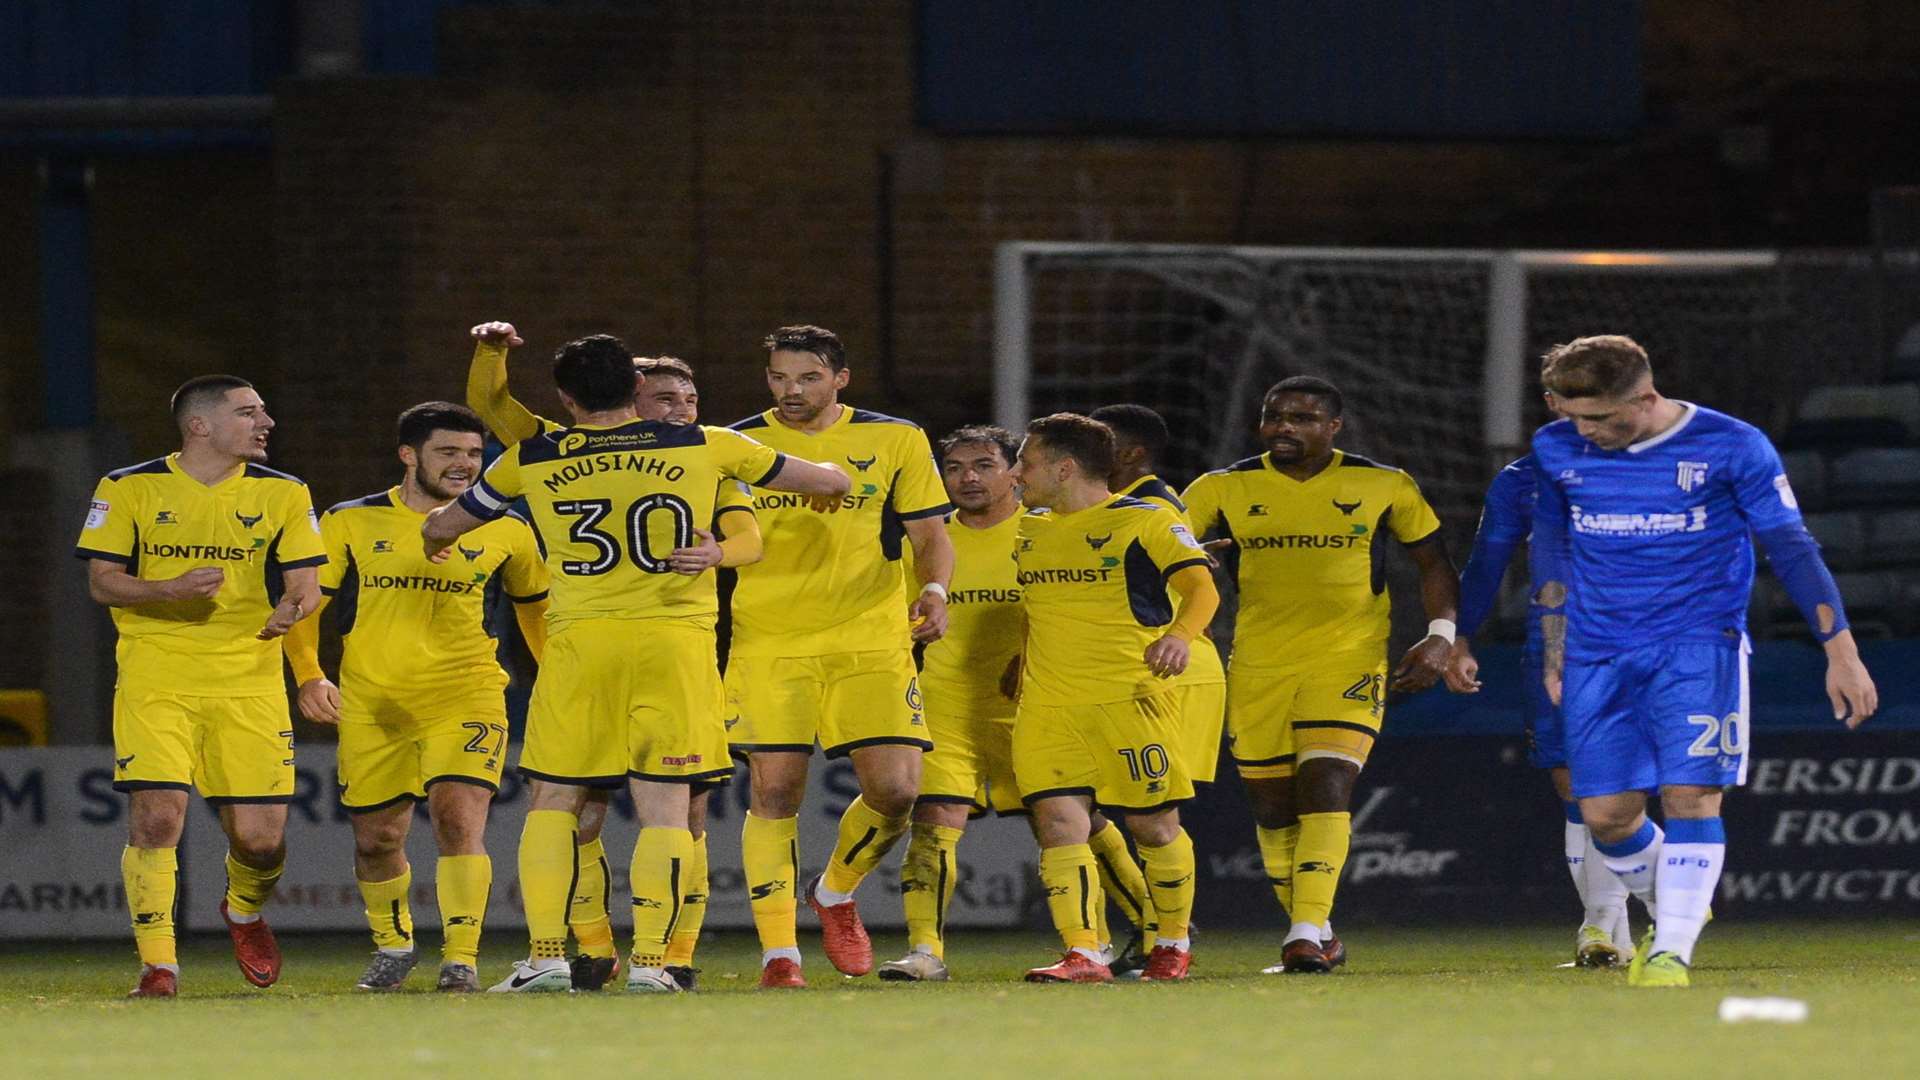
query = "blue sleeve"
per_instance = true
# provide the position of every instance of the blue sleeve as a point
(1552, 549)
(1505, 521)
(1795, 556)
(1760, 489)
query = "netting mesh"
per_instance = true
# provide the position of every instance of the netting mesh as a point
(1201, 335)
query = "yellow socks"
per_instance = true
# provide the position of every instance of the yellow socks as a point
(770, 855)
(693, 907)
(388, 913)
(248, 890)
(1170, 869)
(462, 883)
(547, 867)
(152, 879)
(1276, 850)
(660, 865)
(865, 839)
(927, 878)
(1121, 880)
(1317, 859)
(588, 915)
(1073, 894)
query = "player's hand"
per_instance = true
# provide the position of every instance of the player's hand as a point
(1214, 549)
(320, 701)
(1463, 670)
(1851, 689)
(704, 555)
(928, 616)
(200, 583)
(497, 333)
(1552, 679)
(285, 614)
(1422, 666)
(1010, 679)
(823, 504)
(1167, 657)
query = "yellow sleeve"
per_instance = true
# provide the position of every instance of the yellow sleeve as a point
(747, 460)
(489, 395)
(736, 526)
(299, 543)
(109, 532)
(1413, 519)
(532, 619)
(1199, 599)
(524, 575)
(1203, 503)
(302, 645)
(917, 490)
(333, 538)
(1171, 545)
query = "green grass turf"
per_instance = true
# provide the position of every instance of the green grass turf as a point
(1479, 1002)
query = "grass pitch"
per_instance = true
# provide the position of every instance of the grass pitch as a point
(1475, 1002)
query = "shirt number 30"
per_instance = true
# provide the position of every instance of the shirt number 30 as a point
(587, 514)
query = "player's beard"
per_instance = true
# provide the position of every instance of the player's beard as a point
(432, 489)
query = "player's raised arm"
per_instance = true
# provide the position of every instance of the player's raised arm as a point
(486, 500)
(487, 391)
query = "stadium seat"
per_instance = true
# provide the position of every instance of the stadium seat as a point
(1845, 417)
(1875, 477)
(1843, 537)
(1893, 539)
(1807, 472)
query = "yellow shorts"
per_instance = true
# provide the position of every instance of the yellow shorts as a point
(620, 698)
(971, 762)
(395, 759)
(844, 700)
(1203, 722)
(1125, 754)
(1277, 717)
(233, 749)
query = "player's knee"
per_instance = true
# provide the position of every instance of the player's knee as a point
(890, 797)
(1610, 824)
(777, 796)
(1155, 830)
(1690, 802)
(373, 840)
(258, 846)
(158, 828)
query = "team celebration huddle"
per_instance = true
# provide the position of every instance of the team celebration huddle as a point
(997, 622)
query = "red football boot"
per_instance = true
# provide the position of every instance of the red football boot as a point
(254, 949)
(781, 973)
(842, 936)
(155, 982)
(1167, 964)
(1073, 967)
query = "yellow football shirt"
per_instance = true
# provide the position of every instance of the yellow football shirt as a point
(732, 494)
(831, 583)
(1312, 582)
(160, 523)
(416, 630)
(960, 673)
(1094, 589)
(1203, 665)
(610, 504)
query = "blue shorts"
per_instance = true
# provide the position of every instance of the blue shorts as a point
(1675, 713)
(1546, 732)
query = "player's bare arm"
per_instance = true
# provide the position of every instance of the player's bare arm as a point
(300, 599)
(1849, 688)
(821, 478)
(1167, 656)
(1426, 662)
(109, 583)
(933, 565)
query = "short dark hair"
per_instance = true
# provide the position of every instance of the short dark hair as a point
(985, 435)
(1602, 366)
(1138, 425)
(1086, 440)
(596, 372)
(817, 340)
(418, 423)
(648, 366)
(201, 391)
(1314, 385)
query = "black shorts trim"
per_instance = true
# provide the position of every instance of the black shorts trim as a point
(461, 778)
(1170, 804)
(691, 781)
(1055, 793)
(708, 787)
(1283, 759)
(610, 783)
(742, 750)
(375, 808)
(952, 800)
(248, 800)
(130, 786)
(846, 748)
(1341, 725)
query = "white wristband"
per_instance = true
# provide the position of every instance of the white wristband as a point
(1443, 629)
(934, 587)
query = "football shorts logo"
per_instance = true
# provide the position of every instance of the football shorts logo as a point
(1346, 509)
(471, 554)
(1690, 474)
(1257, 510)
(382, 547)
(248, 522)
(863, 466)
(1098, 542)
(121, 763)
(913, 694)
(165, 517)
